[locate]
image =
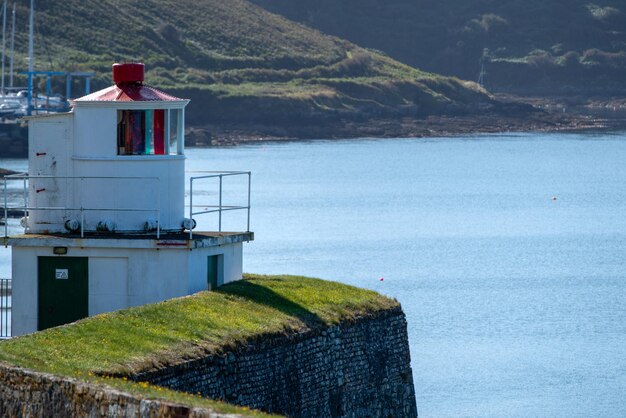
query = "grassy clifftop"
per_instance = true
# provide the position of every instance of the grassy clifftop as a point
(239, 63)
(176, 330)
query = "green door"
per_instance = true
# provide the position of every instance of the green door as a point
(63, 290)
(213, 271)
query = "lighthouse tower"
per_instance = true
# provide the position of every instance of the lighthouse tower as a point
(105, 224)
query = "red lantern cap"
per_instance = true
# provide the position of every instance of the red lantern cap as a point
(131, 72)
(128, 87)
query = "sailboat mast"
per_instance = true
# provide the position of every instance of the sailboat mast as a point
(4, 40)
(12, 46)
(31, 25)
(31, 58)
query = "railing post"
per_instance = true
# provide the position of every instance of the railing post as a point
(5, 308)
(25, 206)
(159, 208)
(190, 207)
(6, 211)
(249, 183)
(220, 208)
(82, 212)
(3, 321)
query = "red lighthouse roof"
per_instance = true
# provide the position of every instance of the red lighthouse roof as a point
(128, 87)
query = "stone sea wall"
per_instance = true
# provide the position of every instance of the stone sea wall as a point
(359, 369)
(24, 393)
(356, 369)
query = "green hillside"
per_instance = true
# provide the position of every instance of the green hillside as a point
(532, 46)
(237, 62)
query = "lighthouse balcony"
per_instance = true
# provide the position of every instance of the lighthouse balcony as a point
(114, 205)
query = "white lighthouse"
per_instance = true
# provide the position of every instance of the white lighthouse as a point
(105, 216)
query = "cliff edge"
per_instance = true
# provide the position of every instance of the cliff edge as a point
(280, 344)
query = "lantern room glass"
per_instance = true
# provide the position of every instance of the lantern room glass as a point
(176, 124)
(150, 132)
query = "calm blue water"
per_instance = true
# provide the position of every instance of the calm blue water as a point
(516, 301)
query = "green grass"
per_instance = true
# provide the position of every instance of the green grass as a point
(170, 332)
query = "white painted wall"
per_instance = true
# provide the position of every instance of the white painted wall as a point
(233, 263)
(230, 270)
(121, 277)
(156, 275)
(24, 297)
(108, 284)
(162, 187)
(49, 143)
(95, 132)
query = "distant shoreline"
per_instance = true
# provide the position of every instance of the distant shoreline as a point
(567, 114)
(431, 126)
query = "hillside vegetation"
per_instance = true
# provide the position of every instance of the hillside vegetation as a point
(530, 47)
(151, 336)
(237, 62)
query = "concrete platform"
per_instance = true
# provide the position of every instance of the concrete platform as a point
(201, 239)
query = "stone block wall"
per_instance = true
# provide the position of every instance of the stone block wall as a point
(24, 393)
(359, 369)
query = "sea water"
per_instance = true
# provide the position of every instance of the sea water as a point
(507, 252)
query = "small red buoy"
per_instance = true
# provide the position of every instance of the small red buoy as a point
(382, 279)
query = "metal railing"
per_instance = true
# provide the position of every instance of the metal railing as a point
(220, 207)
(5, 308)
(26, 208)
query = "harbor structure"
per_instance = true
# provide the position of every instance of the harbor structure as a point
(105, 215)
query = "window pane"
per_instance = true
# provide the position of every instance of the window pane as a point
(148, 130)
(121, 132)
(159, 132)
(181, 131)
(136, 132)
(174, 122)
